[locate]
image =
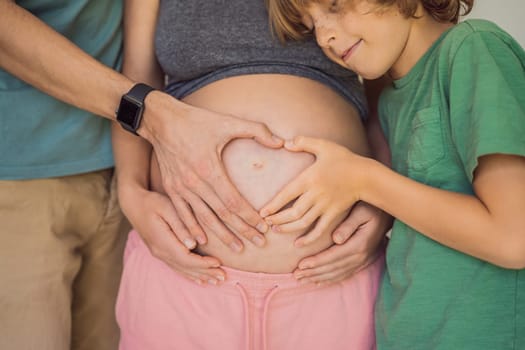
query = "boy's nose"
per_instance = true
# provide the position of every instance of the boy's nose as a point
(324, 36)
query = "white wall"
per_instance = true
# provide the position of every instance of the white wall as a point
(508, 14)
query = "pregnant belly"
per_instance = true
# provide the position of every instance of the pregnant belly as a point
(289, 106)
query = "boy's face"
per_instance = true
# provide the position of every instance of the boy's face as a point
(359, 35)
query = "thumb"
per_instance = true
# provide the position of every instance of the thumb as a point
(305, 144)
(262, 134)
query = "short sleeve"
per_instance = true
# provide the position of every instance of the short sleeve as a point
(487, 97)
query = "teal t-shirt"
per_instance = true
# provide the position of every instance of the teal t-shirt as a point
(40, 136)
(465, 98)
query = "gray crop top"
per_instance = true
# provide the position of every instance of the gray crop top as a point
(201, 41)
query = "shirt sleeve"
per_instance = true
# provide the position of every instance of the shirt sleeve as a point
(487, 97)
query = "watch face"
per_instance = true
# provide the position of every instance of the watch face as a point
(128, 112)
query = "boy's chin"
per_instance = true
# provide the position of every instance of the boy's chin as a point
(370, 75)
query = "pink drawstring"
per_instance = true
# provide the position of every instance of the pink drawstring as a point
(264, 314)
(247, 323)
(246, 315)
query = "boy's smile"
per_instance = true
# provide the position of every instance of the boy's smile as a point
(346, 55)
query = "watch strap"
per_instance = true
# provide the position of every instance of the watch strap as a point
(139, 92)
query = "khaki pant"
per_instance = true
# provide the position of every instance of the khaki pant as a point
(61, 243)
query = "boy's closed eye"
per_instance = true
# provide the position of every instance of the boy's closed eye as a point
(308, 23)
(334, 6)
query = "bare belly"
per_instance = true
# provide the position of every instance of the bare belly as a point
(289, 106)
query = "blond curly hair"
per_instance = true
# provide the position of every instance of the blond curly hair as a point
(285, 15)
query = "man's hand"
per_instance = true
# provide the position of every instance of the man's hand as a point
(188, 149)
(359, 241)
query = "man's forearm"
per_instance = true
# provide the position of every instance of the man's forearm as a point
(40, 56)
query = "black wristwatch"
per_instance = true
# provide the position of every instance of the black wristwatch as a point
(131, 107)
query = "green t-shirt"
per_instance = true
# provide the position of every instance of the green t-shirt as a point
(41, 136)
(465, 98)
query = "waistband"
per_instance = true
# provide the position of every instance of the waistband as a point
(258, 284)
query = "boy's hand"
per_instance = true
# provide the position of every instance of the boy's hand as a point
(322, 192)
(359, 242)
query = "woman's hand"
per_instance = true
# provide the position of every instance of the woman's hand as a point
(157, 222)
(189, 149)
(321, 192)
(359, 241)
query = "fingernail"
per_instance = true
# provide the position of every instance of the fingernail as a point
(276, 228)
(212, 281)
(201, 239)
(258, 240)
(220, 278)
(277, 139)
(289, 143)
(305, 266)
(338, 238)
(189, 243)
(264, 213)
(236, 246)
(262, 227)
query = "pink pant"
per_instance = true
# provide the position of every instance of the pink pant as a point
(158, 309)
